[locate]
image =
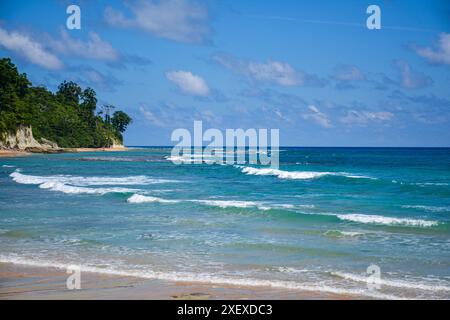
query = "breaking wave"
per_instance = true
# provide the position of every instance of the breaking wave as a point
(233, 203)
(86, 181)
(296, 175)
(138, 198)
(373, 219)
(416, 284)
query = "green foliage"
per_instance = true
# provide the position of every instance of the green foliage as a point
(68, 117)
(120, 121)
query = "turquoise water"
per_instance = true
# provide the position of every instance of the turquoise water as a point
(315, 224)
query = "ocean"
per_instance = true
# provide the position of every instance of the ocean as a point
(318, 223)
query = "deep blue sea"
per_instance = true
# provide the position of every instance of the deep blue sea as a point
(315, 224)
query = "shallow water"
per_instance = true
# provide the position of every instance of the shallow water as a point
(316, 223)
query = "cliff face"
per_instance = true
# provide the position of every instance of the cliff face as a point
(23, 140)
(116, 144)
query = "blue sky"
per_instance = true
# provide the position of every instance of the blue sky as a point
(310, 68)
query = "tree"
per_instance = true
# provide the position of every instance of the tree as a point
(120, 121)
(89, 100)
(69, 92)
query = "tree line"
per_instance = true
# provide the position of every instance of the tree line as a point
(70, 117)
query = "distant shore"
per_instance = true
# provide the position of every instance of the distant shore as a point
(6, 153)
(12, 153)
(21, 282)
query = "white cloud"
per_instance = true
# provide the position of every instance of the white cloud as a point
(364, 117)
(151, 118)
(271, 71)
(95, 48)
(29, 49)
(409, 78)
(189, 83)
(318, 117)
(178, 20)
(441, 54)
(348, 73)
(279, 72)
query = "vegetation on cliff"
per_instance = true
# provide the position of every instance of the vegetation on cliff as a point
(69, 117)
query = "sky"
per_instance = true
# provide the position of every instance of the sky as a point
(311, 69)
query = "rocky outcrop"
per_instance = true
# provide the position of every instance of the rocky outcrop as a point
(23, 140)
(116, 144)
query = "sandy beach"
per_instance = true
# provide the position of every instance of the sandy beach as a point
(20, 282)
(12, 153)
(20, 153)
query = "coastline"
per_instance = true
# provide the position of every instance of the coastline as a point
(7, 153)
(12, 153)
(19, 281)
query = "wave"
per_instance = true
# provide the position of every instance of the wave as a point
(360, 218)
(427, 208)
(203, 278)
(68, 189)
(373, 219)
(8, 166)
(86, 181)
(138, 198)
(341, 234)
(296, 175)
(233, 203)
(416, 284)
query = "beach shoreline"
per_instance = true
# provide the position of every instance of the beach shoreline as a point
(24, 282)
(12, 153)
(6, 153)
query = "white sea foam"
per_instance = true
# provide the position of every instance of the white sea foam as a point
(338, 233)
(138, 198)
(203, 278)
(68, 189)
(373, 219)
(8, 166)
(431, 184)
(79, 185)
(296, 175)
(428, 208)
(233, 203)
(86, 181)
(416, 284)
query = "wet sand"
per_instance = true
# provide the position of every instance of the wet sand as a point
(19, 282)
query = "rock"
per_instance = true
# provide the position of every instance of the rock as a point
(43, 150)
(23, 140)
(49, 144)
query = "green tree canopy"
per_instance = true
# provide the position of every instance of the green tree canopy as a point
(67, 117)
(120, 121)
